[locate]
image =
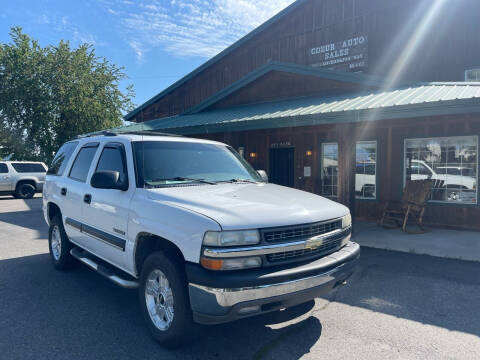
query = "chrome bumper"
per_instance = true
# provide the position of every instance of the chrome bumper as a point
(216, 305)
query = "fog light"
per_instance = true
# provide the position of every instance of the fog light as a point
(249, 310)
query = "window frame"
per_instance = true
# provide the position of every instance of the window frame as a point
(87, 145)
(120, 146)
(375, 198)
(443, 202)
(322, 152)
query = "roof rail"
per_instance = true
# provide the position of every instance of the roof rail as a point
(99, 133)
(132, 132)
(146, 132)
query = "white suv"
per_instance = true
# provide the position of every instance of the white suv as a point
(22, 179)
(198, 230)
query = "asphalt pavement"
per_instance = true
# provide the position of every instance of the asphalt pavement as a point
(396, 306)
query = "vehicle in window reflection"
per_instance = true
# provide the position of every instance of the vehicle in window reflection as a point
(451, 183)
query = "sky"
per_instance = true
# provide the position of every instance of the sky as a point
(156, 41)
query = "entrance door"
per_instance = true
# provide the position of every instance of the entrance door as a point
(282, 166)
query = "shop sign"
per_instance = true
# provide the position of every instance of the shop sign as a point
(281, 144)
(347, 55)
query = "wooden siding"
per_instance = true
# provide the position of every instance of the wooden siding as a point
(447, 49)
(390, 137)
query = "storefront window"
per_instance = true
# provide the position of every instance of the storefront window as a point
(451, 163)
(329, 169)
(366, 170)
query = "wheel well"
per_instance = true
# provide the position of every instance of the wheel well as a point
(53, 210)
(148, 243)
(31, 182)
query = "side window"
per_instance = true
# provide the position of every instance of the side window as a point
(3, 169)
(82, 162)
(60, 161)
(28, 168)
(113, 159)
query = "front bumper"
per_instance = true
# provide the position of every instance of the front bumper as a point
(227, 296)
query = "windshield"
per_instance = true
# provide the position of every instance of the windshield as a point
(170, 162)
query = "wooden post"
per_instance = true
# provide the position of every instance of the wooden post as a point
(347, 167)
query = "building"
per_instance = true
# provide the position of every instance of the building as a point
(347, 99)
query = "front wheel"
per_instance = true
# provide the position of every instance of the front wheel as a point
(164, 300)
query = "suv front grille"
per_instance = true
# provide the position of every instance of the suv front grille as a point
(300, 232)
(329, 245)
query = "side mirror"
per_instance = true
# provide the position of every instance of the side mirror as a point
(108, 180)
(263, 175)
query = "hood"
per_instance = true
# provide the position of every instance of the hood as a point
(249, 206)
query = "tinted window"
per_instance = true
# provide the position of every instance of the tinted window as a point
(112, 159)
(28, 168)
(3, 169)
(61, 158)
(82, 163)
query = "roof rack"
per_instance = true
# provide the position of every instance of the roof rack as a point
(146, 132)
(99, 133)
(116, 133)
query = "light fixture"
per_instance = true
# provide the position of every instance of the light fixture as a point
(309, 153)
(253, 154)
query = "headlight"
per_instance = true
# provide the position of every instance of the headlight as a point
(231, 238)
(347, 221)
(231, 264)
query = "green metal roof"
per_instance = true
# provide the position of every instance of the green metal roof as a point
(428, 99)
(216, 58)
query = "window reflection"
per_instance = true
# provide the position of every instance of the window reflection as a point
(366, 169)
(329, 169)
(450, 162)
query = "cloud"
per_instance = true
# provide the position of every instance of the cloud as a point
(191, 27)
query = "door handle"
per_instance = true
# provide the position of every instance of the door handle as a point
(63, 191)
(87, 199)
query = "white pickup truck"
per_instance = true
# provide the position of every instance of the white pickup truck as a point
(189, 222)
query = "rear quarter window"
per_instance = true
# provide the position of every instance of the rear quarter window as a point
(60, 161)
(3, 169)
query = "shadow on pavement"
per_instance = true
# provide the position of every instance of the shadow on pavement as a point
(27, 219)
(79, 314)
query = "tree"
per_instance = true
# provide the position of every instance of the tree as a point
(49, 95)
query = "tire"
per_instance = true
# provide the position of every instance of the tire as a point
(171, 321)
(59, 245)
(24, 191)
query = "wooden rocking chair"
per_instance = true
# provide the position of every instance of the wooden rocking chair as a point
(411, 207)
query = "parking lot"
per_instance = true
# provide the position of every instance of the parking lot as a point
(397, 306)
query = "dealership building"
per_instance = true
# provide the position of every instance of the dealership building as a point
(347, 99)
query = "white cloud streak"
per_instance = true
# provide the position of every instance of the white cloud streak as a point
(191, 27)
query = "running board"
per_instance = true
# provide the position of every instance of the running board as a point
(110, 274)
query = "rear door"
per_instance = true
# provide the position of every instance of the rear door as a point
(73, 190)
(5, 178)
(105, 216)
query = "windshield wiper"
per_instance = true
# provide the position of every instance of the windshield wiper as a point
(239, 181)
(180, 178)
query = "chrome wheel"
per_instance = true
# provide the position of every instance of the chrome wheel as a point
(56, 243)
(159, 299)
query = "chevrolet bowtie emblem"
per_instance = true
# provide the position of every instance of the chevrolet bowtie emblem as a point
(314, 242)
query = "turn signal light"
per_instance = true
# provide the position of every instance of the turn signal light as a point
(212, 264)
